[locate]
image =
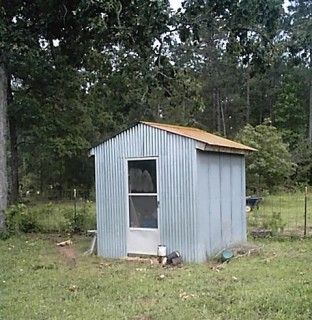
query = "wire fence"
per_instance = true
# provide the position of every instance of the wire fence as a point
(281, 214)
(58, 193)
(61, 210)
(287, 214)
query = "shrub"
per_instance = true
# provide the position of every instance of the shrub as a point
(75, 223)
(19, 218)
(83, 220)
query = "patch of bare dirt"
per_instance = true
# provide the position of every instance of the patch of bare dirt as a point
(69, 255)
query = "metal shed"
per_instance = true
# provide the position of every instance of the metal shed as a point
(172, 185)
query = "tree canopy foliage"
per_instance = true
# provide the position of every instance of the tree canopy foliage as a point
(271, 165)
(81, 70)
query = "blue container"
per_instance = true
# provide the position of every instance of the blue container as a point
(227, 255)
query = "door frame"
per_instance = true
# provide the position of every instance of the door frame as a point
(128, 228)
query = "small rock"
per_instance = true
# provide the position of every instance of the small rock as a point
(64, 243)
(73, 288)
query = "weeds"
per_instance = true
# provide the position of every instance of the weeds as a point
(271, 222)
(50, 217)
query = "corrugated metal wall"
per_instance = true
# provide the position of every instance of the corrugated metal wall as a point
(220, 201)
(177, 182)
(201, 194)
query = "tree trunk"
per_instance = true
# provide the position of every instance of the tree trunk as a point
(3, 140)
(223, 118)
(310, 99)
(14, 195)
(310, 115)
(41, 177)
(247, 94)
(213, 112)
(14, 185)
(218, 111)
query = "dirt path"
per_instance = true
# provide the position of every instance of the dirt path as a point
(69, 255)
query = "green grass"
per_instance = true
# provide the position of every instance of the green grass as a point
(37, 282)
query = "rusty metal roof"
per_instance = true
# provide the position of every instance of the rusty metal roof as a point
(200, 135)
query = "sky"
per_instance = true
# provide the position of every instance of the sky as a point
(175, 4)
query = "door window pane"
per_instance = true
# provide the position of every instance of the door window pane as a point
(143, 212)
(142, 176)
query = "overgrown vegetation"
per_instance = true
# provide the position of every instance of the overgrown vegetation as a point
(270, 222)
(281, 214)
(51, 217)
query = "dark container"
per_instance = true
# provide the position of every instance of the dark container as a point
(173, 255)
(176, 261)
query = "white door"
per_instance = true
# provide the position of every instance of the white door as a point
(143, 235)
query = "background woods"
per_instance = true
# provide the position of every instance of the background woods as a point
(73, 72)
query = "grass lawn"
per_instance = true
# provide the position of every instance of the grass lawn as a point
(40, 281)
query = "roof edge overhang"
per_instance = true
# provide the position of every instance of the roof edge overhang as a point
(235, 148)
(96, 144)
(214, 148)
(204, 146)
(91, 152)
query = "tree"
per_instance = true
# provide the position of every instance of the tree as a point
(271, 165)
(79, 71)
(301, 156)
(3, 145)
(290, 116)
(298, 29)
(246, 30)
(54, 57)
(253, 29)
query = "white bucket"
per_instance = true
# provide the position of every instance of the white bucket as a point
(161, 251)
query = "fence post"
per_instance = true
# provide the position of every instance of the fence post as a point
(305, 210)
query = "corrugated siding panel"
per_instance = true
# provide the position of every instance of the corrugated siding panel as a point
(214, 200)
(203, 208)
(243, 202)
(226, 199)
(176, 173)
(109, 187)
(220, 201)
(238, 198)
